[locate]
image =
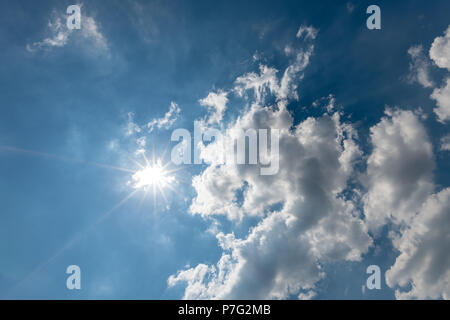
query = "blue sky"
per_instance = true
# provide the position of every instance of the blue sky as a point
(76, 108)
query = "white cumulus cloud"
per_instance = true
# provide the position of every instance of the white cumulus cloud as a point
(310, 213)
(440, 50)
(399, 169)
(440, 54)
(424, 261)
(304, 219)
(442, 97)
(282, 254)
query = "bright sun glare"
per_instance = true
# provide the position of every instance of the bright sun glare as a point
(149, 176)
(153, 176)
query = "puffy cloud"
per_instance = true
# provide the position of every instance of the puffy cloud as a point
(60, 34)
(399, 169)
(399, 176)
(442, 97)
(281, 255)
(440, 54)
(424, 261)
(168, 120)
(420, 72)
(222, 180)
(419, 67)
(304, 218)
(440, 50)
(308, 213)
(217, 103)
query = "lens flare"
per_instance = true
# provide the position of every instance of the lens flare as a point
(152, 175)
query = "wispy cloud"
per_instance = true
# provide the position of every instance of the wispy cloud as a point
(422, 270)
(308, 32)
(132, 127)
(442, 97)
(350, 7)
(167, 121)
(419, 67)
(59, 35)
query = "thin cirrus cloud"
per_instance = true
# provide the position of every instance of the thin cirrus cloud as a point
(59, 35)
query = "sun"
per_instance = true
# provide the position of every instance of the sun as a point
(154, 177)
(151, 176)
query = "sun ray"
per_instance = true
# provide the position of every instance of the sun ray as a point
(175, 170)
(137, 163)
(153, 154)
(69, 244)
(61, 158)
(146, 160)
(154, 198)
(161, 190)
(153, 174)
